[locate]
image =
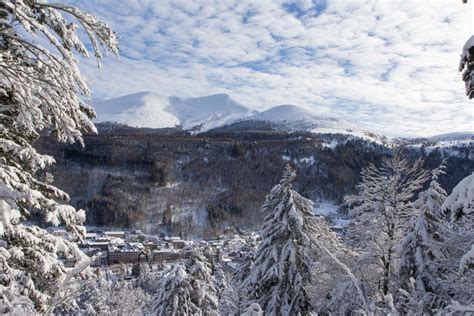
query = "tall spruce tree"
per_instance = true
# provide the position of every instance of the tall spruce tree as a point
(466, 65)
(421, 256)
(40, 88)
(460, 268)
(292, 237)
(187, 288)
(227, 297)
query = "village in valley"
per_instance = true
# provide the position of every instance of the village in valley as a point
(120, 250)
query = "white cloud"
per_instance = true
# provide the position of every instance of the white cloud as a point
(391, 64)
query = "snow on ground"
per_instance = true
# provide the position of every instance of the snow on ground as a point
(325, 208)
(448, 144)
(302, 161)
(333, 144)
(355, 132)
(308, 160)
(340, 222)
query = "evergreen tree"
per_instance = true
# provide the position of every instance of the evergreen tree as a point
(467, 66)
(40, 88)
(109, 298)
(187, 288)
(459, 269)
(381, 211)
(225, 292)
(420, 269)
(460, 205)
(292, 237)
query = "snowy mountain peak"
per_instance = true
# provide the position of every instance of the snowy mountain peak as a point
(298, 118)
(285, 112)
(152, 110)
(143, 109)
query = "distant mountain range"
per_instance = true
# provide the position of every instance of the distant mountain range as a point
(152, 110)
(201, 114)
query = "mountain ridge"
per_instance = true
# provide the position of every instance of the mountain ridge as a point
(200, 114)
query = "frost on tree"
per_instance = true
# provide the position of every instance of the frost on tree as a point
(380, 213)
(460, 204)
(40, 88)
(187, 288)
(460, 277)
(466, 65)
(422, 256)
(227, 297)
(280, 272)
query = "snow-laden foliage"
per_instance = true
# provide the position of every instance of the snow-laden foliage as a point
(40, 88)
(467, 261)
(226, 294)
(103, 297)
(421, 264)
(466, 65)
(117, 298)
(459, 268)
(381, 211)
(277, 275)
(187, 288)
(460, 204)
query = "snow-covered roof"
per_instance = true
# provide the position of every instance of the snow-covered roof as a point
(114, 233)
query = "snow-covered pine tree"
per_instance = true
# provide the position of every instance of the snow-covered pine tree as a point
(187, 288)
(226, 294)
(103, 297)
(466, 65)
(380, 213)
(421, 256)
(292, 238)
(460, 205)
(117, 298)
(40, 88)
(459, 268)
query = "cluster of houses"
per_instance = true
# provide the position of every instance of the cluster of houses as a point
(108, 248)
(120, 247)
(235, 248)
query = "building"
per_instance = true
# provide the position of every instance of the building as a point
(102, 245)
(178, 244)
(98, 260)
(126, 256)
(150, 246)
(90, 236)
(115, 234)
(165, 255)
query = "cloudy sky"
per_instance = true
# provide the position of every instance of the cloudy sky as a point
(391, 64)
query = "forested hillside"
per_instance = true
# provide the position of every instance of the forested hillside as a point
(157, 179)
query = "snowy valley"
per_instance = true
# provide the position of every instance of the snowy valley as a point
(309, 200)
